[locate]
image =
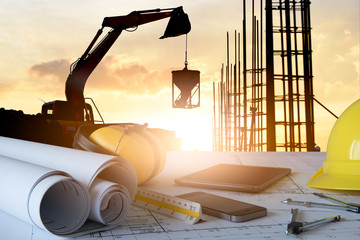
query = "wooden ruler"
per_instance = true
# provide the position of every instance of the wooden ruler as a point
(179, 208)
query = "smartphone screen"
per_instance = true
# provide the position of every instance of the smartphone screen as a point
(225, 208)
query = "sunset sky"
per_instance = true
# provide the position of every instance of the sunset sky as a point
(39, 39)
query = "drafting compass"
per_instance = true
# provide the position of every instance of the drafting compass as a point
(295, 227)
(351, 207)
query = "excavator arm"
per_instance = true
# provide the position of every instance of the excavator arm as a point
(81, 69)
(60, 120)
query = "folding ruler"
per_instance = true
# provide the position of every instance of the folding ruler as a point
(179, 208)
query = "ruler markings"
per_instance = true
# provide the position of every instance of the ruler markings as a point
(168, 206)
(180, 208)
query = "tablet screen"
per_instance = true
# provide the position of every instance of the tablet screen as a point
(235, 177)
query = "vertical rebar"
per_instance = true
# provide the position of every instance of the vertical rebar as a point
(283, 78)
(235, 99)
(222, 108)
(308, 85)
(227, 132)
(270, 89)
(214, 121)
(244, 78)
(259, 97)
(289, 74)
(235, 92)
(261, 77)
(297, 77)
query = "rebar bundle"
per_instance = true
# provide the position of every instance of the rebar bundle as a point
(266, 104)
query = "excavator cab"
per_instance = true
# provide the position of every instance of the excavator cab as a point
(63, 110)
(63, 113)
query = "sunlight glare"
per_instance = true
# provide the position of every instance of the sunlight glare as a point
(196, 133)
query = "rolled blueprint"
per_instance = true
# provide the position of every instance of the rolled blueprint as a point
(49, 199)
(89, 169)
(112, 199)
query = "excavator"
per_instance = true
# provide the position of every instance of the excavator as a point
(59, 120)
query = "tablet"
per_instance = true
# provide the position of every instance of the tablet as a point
(242, 178)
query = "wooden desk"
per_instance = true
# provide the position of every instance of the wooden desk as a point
(141, 224)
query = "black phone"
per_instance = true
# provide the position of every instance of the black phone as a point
(225, 208)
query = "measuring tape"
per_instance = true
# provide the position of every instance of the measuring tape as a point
(171, 206)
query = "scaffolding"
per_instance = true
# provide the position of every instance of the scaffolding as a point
(267, 109)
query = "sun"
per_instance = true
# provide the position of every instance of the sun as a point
(196, 134)
(194, 130)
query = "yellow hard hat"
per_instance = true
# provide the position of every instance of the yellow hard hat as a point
(341, 168)
(136, 144)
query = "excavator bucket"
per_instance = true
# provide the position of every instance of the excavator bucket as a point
(179, 24)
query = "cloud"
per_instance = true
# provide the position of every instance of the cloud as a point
(119, 73)
(55, 69)
(126, 75)
(336, 56)
(6, 88)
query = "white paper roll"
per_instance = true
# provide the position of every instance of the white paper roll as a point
(82, 165)
(44, 197)
(110, 202)
(87, 168)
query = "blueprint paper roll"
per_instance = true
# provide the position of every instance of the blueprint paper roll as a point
(82, 165)
(112, 199)
(49, 199)
(86, 167)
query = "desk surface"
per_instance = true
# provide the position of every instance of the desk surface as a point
(142, 224)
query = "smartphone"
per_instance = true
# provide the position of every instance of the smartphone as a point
(225, 208)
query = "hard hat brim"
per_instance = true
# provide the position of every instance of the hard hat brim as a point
(332, 181)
